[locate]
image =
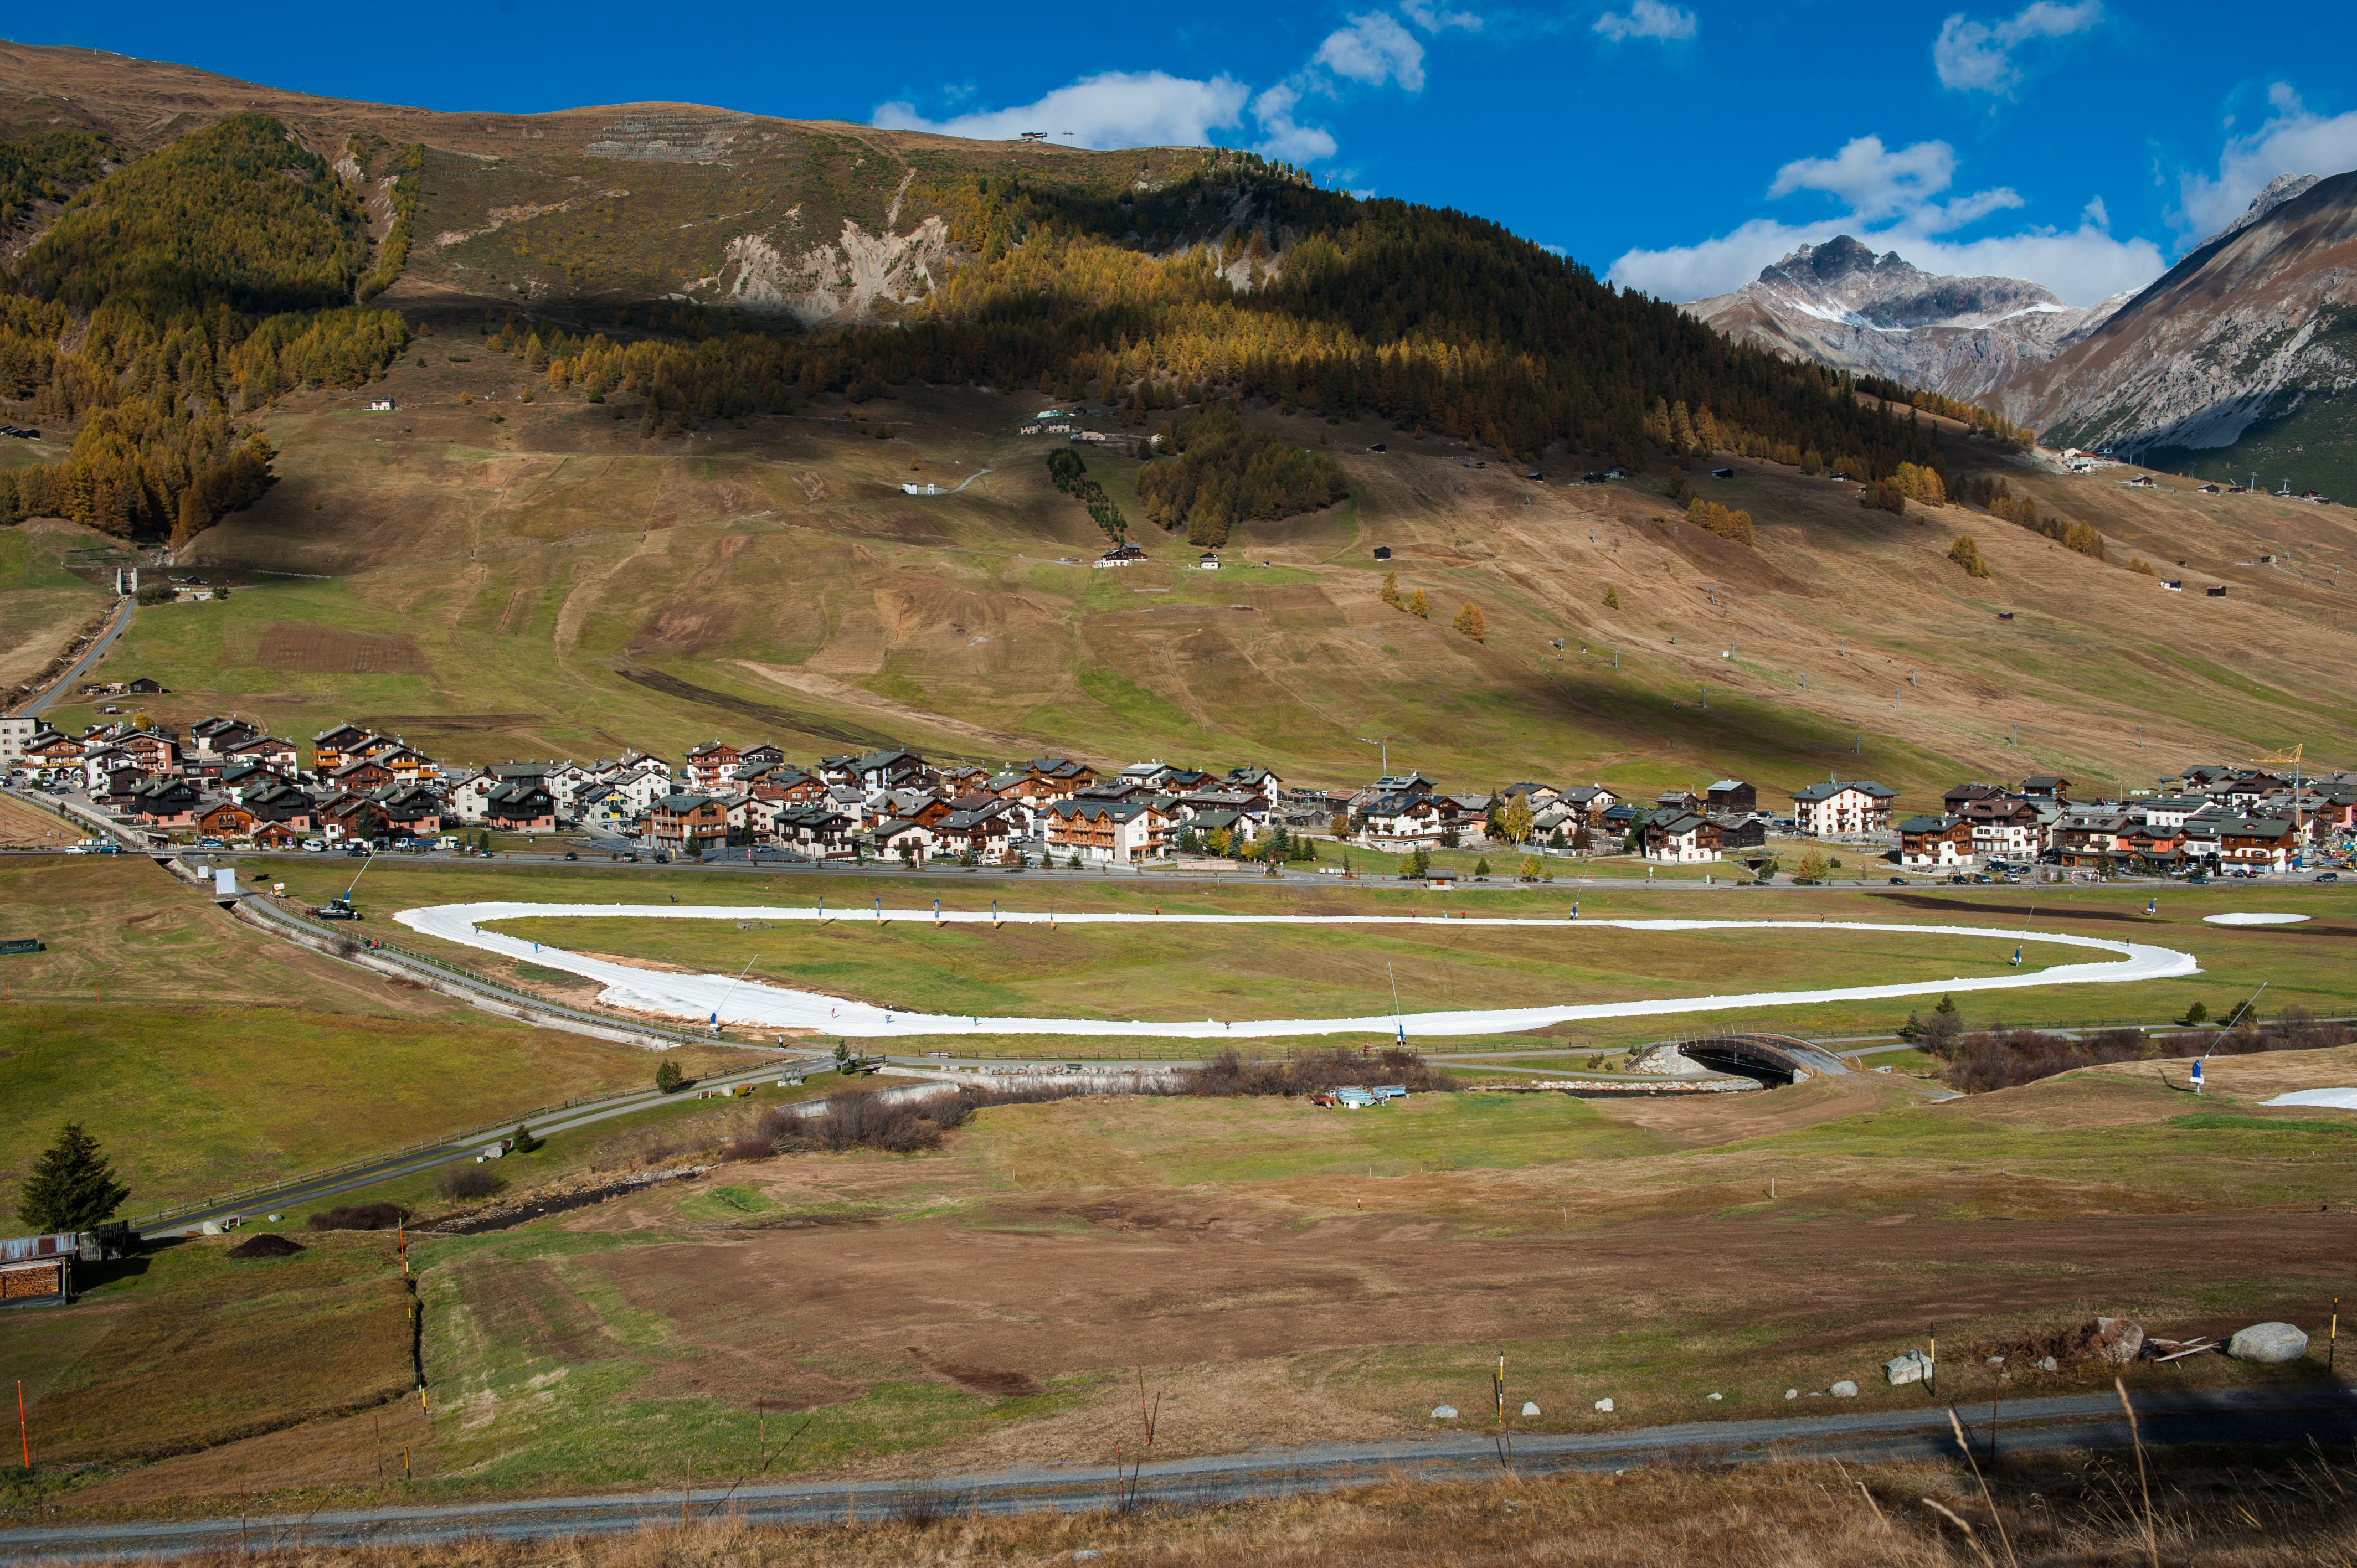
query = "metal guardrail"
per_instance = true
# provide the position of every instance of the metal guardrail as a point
(445, 968)
(327, 1173)
(426, 1147)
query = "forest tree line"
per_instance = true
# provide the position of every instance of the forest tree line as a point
(202, 280)
(212, 276)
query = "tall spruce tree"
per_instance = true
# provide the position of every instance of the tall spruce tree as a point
(72, 1188)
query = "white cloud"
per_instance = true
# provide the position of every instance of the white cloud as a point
(1433, 21)
(1281, 137)
(2292, 141)
(1647, 19)
(1373, 49)
(1976, 56)
(1129, 109)
(1891, 200)
(2081, 265)
(1874, 180)
(2097, 213)
(1117, 109)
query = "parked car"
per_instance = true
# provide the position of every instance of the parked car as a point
(314, 846)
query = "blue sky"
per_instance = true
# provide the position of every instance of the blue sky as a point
(1675, 147)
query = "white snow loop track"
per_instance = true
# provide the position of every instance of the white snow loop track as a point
(699, 996)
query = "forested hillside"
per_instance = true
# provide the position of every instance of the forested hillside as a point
(196, 282)
(223, 268)
(1236, 280)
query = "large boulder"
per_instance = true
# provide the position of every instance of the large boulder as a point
(1911, 1368)
(2268, 1342)
(2117, 1341)
(1845, 1389)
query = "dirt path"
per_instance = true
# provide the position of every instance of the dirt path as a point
(812, 683)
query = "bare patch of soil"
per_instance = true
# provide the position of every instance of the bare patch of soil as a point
(292, 645)
(1707, 1120)
(994, 1381)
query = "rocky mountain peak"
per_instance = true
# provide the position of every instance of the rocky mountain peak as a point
(1836, 262)
(1842, 305)
(2282, 188)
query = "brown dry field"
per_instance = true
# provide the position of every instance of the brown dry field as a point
(1295, 1302)
(24, 827)
(2052, 1510)
(292, 646)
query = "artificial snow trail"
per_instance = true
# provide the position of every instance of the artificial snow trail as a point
(759, 1004)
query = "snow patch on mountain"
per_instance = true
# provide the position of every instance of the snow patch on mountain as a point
(1841, 304)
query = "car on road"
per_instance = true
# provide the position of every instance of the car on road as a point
(570, 855)
(1898, 882)
(2199, 879)
(314, 846)
(2328, 876)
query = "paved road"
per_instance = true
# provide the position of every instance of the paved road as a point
(2326, 1412)
(115, 627)
(410, 1164)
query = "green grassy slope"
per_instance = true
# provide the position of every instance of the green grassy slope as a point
(553, 584)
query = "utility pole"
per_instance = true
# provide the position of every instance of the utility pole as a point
(1384, 742)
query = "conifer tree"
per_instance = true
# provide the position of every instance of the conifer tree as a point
(1611, 597)
(1390, 594)
(1470, 621)
(72, 1188)
(1417, 607)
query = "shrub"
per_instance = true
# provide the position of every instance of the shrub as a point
(1313, 1072)
(1966, 552)
(465, 1182)
(1999, 1058)
(361, 1217)
(668, 1077)
(887, 1126)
